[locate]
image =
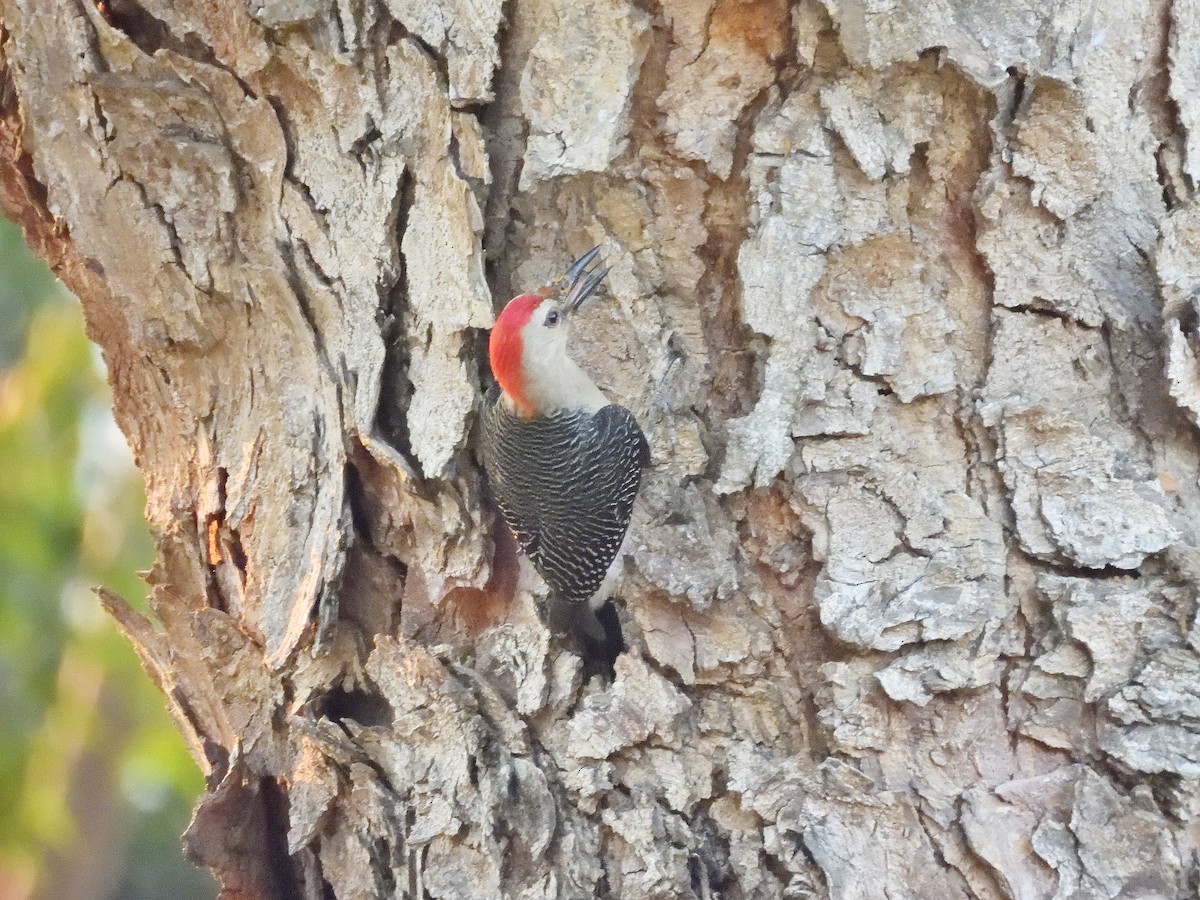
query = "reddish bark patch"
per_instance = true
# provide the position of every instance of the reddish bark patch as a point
(761, 26)
(475, 609)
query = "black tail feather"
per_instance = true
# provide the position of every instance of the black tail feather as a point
(595, 635)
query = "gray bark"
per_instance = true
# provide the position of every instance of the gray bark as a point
(905, 296)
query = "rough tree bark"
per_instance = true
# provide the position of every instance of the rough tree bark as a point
(906, 296)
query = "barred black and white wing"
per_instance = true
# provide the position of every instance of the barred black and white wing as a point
(565, 485)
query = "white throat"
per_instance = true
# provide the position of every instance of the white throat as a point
(553, 381)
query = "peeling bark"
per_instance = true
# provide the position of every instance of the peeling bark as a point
(906, 297)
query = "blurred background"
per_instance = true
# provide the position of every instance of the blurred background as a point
(95, 785)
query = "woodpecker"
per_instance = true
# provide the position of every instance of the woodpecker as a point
(564, 463)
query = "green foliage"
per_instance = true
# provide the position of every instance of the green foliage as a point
(85, 738)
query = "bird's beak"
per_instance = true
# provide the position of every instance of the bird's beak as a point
(583, 280)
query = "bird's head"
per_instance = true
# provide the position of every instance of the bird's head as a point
(528, 346)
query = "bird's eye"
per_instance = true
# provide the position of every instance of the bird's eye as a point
(552, 318)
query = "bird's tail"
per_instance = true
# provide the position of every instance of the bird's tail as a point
(573, 617)
(596, 633)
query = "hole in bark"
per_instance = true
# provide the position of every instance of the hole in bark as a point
(1189, 321)
(363, 146)
(276, 859)
(147, 32)
(237, 553)
(396, 389)
(696, 875)
(220, 537)
(602, 886)
(513, 784)
(363, 707)
(151, 34)
(357, 501)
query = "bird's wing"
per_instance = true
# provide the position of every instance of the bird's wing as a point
(616, 423)
(527, 535)
(629, 454)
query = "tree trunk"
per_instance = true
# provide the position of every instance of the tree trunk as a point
(906, 297)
